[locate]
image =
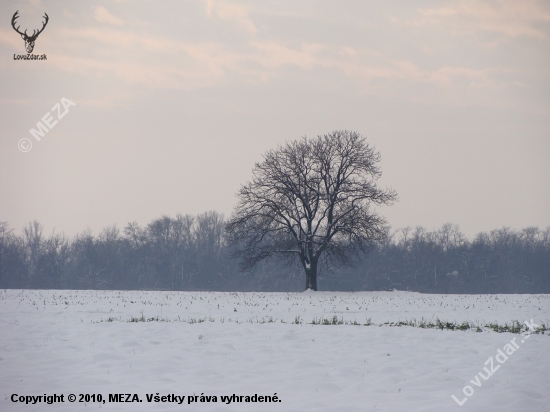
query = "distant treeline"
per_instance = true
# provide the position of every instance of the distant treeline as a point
(191, 253)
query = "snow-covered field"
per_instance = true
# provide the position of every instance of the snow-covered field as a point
(220, 344)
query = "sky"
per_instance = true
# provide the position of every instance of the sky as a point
(175, 101)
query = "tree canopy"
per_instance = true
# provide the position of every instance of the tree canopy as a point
(311, 198)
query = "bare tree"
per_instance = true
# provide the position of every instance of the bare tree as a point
(310, 198)
(34, 243)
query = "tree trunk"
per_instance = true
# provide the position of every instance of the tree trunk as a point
(311, 276)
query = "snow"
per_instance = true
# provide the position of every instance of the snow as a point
(218, 344)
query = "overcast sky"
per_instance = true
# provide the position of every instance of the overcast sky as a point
(176, 101)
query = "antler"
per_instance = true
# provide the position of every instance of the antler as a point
(34, 33)
(43, 26)
(15, 16)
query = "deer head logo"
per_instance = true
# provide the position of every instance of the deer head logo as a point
(29, 40)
